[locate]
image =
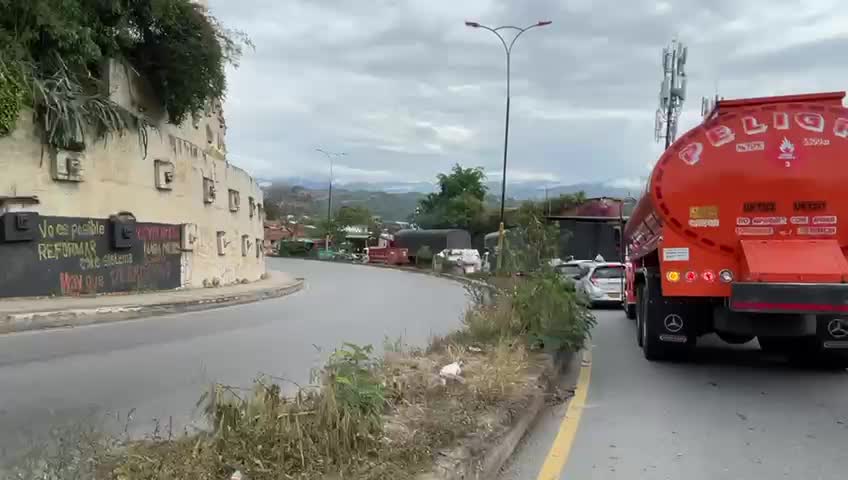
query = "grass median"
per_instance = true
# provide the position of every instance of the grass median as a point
(364, 415)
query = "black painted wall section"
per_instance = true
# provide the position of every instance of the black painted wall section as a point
(73, 256)
(585, 240)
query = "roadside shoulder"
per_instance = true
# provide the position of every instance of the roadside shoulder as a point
(23, 314)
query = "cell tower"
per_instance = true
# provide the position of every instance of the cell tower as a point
(672, 92)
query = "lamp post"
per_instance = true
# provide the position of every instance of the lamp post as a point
(508, 50)
(329, 156)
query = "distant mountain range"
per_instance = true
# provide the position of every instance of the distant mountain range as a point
(397, 201)
(514, 190)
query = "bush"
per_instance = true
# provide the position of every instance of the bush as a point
(330, 428)
(541, 308)
(551, 312)
(288, 248)
(175, 44)
(424, 256)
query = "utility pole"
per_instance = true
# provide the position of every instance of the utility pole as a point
(329, 156)
(508, 50)
(672, 92)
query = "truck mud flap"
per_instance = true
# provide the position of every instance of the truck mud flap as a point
(832, 332)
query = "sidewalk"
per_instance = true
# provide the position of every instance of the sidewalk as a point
(22, 314)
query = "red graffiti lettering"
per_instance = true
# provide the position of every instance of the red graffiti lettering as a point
(158, 233)
(70, 284)
(73, 284)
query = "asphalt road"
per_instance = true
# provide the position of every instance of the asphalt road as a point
(727, 413)
(160, 366)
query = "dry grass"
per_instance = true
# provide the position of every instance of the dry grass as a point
(364, 419)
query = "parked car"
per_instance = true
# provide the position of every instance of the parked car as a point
(603, 283)
(574, 269)
(467, 260)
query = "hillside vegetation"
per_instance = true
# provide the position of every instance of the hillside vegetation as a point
(284, 199)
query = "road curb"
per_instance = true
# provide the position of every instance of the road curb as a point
(457, 465)
(49, 319)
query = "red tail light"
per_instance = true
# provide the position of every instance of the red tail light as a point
(594, 282)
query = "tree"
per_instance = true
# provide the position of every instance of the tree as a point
(531, 242)
(273, 211)
(459, 203)
(58, 47)
(353, 215)
(333, 229)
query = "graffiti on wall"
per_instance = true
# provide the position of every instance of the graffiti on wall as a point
(74, 256)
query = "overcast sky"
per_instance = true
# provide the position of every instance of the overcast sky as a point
(407, 90)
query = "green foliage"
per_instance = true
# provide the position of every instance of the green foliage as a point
(272, 211)
(13, 90)
(352, 370)
(459, 202)
(531, 243)
(353, 215)
(65, 111)
(175, 44)
(540, 307)
(291, 248)
(424, 256)
(332, 228)
(334, 427)
(182, 51)
(554, 317)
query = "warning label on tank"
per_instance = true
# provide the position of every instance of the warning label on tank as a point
(676, 254)
(825, 220)
(769, 221)
(754, 231)
(706, 212)
(704, 222)
(761, 207)
(816, 230)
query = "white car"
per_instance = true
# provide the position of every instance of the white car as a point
(603, 283)
(466, 259)
(573, 270)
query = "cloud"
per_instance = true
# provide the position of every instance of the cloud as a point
(407, 90)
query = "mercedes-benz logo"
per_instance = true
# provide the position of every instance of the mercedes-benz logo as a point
(837, 329)
(673, 323)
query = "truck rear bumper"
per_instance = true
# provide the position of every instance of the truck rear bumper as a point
(830, 298)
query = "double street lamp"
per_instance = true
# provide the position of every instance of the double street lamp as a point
(508, 50)
(329, 156)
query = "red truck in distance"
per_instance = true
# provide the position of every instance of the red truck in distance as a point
(741, 231)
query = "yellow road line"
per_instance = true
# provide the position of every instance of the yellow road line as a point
(561, 448)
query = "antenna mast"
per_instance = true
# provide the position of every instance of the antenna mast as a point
(672, 92)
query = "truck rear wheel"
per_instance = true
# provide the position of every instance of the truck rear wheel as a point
(665, 330)
(629, 310)
(640, 312)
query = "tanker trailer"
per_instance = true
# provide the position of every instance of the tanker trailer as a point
(738, 232)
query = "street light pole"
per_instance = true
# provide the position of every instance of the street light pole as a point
(508, 50)
(330, 156)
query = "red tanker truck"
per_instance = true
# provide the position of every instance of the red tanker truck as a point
(741, 231)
